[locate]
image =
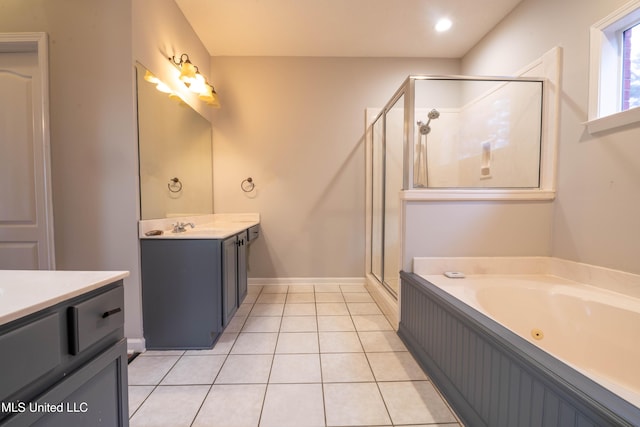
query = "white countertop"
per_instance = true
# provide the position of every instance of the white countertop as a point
(214, 226)
(25, 292)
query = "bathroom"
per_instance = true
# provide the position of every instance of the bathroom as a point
(312, 200)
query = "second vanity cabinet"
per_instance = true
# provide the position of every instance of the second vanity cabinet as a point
(191, 288)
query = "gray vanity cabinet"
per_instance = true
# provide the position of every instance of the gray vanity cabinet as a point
(66, 365)
(229, 278)
(243, 242)
(191, 288)
(181, 293)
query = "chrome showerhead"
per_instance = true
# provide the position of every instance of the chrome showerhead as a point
(424, 128)
(433, 114)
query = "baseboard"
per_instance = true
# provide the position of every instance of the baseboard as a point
(385, 301)
(136, 345)
(294, 281)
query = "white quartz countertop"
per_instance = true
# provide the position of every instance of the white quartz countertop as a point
(25, 292)
(214, 226)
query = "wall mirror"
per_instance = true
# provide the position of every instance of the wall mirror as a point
(175, 155)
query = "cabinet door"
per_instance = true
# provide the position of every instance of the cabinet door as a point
(242, 267)
(229, 278)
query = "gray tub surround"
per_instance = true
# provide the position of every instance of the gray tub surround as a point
(490, 375)
(63, 358)
(193, 281)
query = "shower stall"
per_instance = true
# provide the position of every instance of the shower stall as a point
(447, 136)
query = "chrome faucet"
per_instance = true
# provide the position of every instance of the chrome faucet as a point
(179, 227)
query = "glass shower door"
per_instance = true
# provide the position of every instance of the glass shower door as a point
(393, 173)
(377, 198)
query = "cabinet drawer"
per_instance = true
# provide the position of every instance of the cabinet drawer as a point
(94, 319)
(31, 351)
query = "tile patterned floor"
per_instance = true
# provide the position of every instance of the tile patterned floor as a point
(299, 355)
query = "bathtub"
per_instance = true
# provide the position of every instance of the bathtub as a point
(488, 337)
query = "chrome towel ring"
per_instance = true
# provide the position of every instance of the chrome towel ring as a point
(247, 185)
(174, 185)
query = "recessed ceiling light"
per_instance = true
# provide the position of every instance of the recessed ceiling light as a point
(443, 25)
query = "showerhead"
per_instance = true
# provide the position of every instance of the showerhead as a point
(433, 114)
(424, 127)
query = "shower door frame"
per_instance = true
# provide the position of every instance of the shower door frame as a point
(406, 90)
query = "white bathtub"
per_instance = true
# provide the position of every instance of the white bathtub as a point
(594, 330)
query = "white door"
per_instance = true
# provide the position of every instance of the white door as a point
(26, 218)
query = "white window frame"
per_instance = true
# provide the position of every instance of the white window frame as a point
(605, 73)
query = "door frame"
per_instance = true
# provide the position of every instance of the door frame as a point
(38, 42)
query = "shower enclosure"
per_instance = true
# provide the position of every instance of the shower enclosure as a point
(446, 135)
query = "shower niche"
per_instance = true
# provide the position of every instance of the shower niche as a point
(455, 138)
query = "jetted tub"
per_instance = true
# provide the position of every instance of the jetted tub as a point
(530, 349)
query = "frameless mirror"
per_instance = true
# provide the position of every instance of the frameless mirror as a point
(175, 155)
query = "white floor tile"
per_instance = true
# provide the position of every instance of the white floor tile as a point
(339, 342)
(359, 308)
(345, 367)
(300, 298)
(300, 288)
(262, 324)
(371, 323)
(271, 309)
(396, 366)
(236, 405)
(174, 406)
(415, 402)
(335, 323)
(150, 370)
(329, 297)
(355, 404)
(301, 353)
(332, 309)
(192, 370)
(295, 368)
(255, 343)
(297, 342)
(299, 324)
(235, 325)
(378, 341)
(245, 369)
(137, 395)
(265, 298)
(300, 309)
(357, 297)
(293, 405)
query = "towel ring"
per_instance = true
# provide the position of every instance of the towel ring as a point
(247, 185)
(174, 185)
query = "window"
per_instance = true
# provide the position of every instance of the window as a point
(631, 67)
(614, 75)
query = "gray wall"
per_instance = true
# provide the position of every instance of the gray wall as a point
(94, 160)
(296, 126)
(596, 216)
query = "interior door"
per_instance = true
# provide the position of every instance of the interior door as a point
(26, 219)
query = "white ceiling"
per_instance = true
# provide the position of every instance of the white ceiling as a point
(375, 28)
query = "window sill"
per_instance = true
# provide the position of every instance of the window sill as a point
(613, 121)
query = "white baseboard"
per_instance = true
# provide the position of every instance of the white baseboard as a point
(294, 281)
(385, 301)
(136, 345)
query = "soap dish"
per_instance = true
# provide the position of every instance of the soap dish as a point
(154, 233)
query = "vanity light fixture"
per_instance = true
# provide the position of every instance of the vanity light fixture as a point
(192, 79)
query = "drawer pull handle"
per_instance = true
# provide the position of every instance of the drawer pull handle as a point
(110, 312)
